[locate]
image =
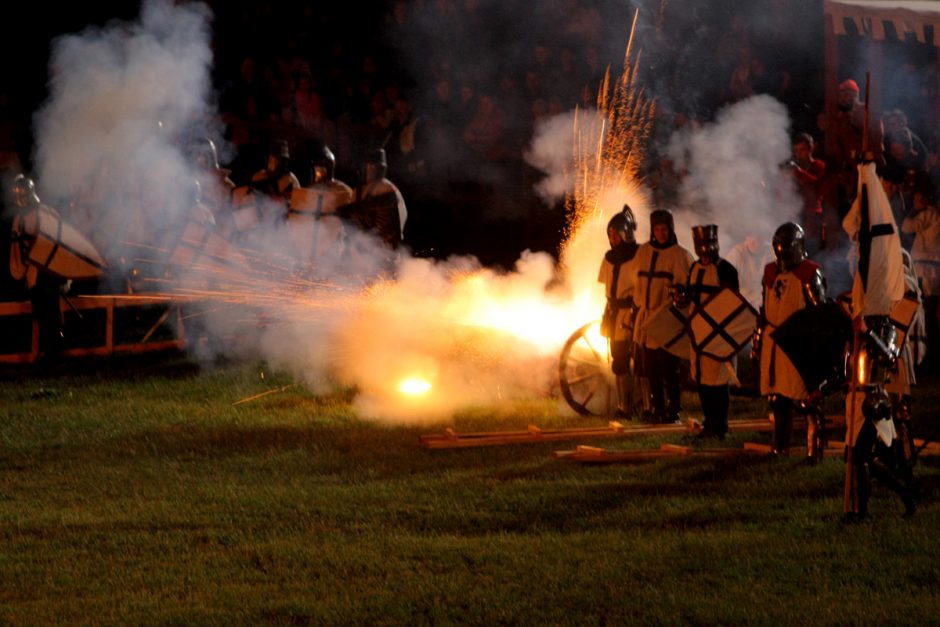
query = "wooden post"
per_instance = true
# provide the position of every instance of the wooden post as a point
(831, 78)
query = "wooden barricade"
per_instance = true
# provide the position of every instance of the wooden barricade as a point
(96, 325)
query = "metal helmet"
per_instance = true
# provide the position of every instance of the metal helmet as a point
(624, 224)
(192, 190)
(322, 165)
(203, 154)
(789, 244)
(705, 239)
(24, 192)
(376, 163)
(628, 214)
(278, 157)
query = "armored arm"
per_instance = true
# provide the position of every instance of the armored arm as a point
(814, 290)
(758, 337)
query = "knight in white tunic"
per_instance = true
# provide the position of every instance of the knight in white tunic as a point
(660, 265)
(790, 283)
(709, 274)
(316, 229)
(617, 324)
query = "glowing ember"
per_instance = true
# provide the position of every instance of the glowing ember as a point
(414, 386)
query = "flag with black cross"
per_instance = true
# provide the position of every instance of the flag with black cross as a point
(879, 275)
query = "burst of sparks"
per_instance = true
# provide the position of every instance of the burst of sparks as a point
(621, 125)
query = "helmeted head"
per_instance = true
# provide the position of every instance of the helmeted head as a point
(705, 239)
(662, 227)
(789, 244)
(24, 192)
(376, 165)
(322, 165)
(203, 155)
(278, 157)
(192, 190)
(622, 227)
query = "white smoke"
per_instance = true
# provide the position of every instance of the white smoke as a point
(119, 99)
(734, 170)
(110, 142)
(551, 153)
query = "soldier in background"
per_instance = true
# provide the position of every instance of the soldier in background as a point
(808, 173)
(215, 185)
(387, 214)
(709, 274)
(276, 180)
(659, 266)
(617, 323)
(44, 288)
(315, 227)
(790, 283)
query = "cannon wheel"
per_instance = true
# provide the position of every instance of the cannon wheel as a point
(584, 373)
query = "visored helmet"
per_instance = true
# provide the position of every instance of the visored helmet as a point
(322, 164)
(24, 192)
(376, 165)
(624, 223)
(705, 240)
(203, 154)
(789, 244)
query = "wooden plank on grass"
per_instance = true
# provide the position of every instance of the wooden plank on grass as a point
(595, 455)
(533, 434)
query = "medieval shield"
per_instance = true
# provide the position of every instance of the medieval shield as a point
(200, 249)
(816, 339)
(245, 211)
(722, 325)
(377, 213)
(902, 317)
(56, 247)
(666, 328)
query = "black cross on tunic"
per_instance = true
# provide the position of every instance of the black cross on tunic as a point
(653, 274)
(867, 233)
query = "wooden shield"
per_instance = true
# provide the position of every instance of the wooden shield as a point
(245, 212)
(376, 213)
(666, 327)
(902, 317)
(307, 201)
(722, 325)
(58, 248)
(201, 249)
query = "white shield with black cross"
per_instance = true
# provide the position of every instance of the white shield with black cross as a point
(665, 328)
(722, 325)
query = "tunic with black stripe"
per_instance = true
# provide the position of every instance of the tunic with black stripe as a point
(703, 281)
(621, 295)
(657, 271)
(315, 228)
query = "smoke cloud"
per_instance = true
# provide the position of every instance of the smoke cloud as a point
(125, 100)
(734, 174)
(120, 99)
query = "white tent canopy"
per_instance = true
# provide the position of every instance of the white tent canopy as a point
(872, 16)
(875, 21)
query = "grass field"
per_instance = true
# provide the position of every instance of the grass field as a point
(138, 494)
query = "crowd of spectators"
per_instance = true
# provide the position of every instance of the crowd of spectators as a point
(453, 89)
